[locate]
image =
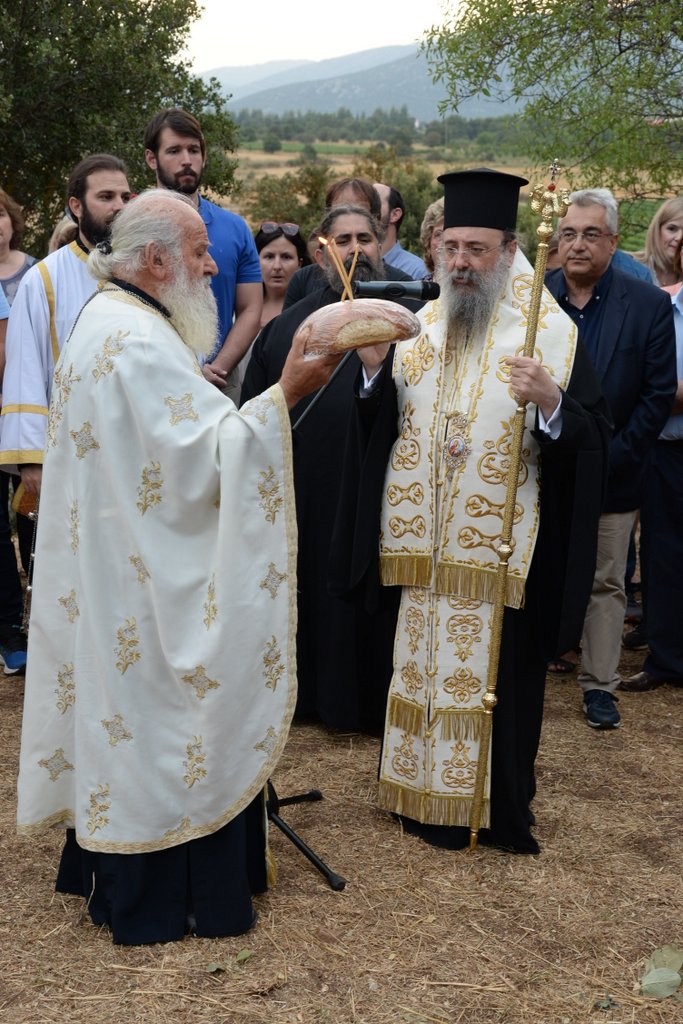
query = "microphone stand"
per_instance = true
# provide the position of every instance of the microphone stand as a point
(321, 391)
(273, 805)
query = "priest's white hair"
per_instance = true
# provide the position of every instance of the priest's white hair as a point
(143, 220)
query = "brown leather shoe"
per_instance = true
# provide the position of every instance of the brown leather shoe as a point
(640, 682)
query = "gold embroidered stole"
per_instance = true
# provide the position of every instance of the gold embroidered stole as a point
(448, 467)
(452, 548)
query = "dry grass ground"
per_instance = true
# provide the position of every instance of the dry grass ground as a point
(420, 935)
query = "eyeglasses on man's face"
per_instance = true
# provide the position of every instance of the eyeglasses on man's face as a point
(592, 235)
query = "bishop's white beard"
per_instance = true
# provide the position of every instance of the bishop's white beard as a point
(193, 310)
(469, 307)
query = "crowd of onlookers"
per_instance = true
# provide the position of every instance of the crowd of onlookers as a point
(263, 276)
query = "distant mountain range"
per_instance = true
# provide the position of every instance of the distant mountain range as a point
(390, 76)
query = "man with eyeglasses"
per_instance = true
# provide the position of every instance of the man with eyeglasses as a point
(175, 150)
(627, 327)
(435, 494)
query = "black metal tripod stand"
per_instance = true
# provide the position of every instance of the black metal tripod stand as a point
(273, 802)
(273, 805)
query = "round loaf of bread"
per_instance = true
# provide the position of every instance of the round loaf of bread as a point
(356, 323)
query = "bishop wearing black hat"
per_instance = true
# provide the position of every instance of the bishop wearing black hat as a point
(427, 473)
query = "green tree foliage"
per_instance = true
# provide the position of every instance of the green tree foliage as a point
(451, 137)
(413, 179)
(602, 81)
(297, 196)
(272, 143)
(85, 77)
(300, 195)
(394, 126)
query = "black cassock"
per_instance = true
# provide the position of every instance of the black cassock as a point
(573, 475)
(344, 646)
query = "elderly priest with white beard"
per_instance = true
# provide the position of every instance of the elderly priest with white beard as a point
(430, 456)
(161, 667)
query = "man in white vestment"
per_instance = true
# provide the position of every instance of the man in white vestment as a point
(46, 305)
(450, 395)
(162, 667)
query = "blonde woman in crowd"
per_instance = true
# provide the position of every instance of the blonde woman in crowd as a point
(664, 237)
(431, 230)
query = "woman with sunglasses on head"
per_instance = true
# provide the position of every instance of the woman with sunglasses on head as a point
(282, 250)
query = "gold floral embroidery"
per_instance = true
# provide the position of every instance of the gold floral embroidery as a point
(411, 678)
(181, 408)
(405, 761)
(469, 537)
(139, 567)
(70, 605)
(66, 688)
(460, 771)
(406, 454)
(104, 360)
(462, 685)
(461, 604)
(415, 625)
(272, 581)
(522, 286)
(56, 764)
(258, 407)
(99, 805)
(75, 523)
(63, 380)
(477, 505)
(494, 464)
(194, 765)
(418, 595)
(398, 527)
(201, 682)
(432, 314)
(127, 636)
(417, 360)
(210, 606)
(179, 831)
(414, 493)
(116, 729)
(84, 440)
(463, 631)
(272, 663)
(269, 489)
(149, 491)
(267, 744)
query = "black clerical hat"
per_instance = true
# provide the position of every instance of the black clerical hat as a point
(481, 198)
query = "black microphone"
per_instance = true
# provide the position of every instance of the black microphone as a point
(421, 290)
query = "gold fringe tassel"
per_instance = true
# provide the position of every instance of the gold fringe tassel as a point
(477, 584)
(460, 725)
(430, 808)
(406, 570)
(405, 715)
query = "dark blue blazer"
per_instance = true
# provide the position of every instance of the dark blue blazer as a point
(636, 367)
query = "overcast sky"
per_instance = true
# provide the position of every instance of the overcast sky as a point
(253, 33)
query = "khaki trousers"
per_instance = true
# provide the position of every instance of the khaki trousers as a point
(603, 626)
